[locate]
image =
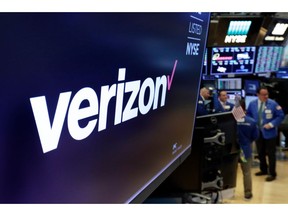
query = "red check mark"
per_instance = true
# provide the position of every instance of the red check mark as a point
(172, 75)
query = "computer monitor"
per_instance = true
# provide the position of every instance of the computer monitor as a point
(205, 70)
(251, 86)
(220, 121)
(268, 59)
(233, 94)
(218, 133)
(248, 99)
(284, 60)
(214, 148)
(229, 83)
(232, 60)
(282, 74)
(97, 107)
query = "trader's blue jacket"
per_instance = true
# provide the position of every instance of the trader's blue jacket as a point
(219, 108)
(272, 113)
(247, 130)
(201, 107)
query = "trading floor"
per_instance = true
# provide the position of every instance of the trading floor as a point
(264, 192)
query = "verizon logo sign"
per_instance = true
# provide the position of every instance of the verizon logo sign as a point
(50, 132)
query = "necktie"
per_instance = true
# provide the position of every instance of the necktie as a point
(260, 114)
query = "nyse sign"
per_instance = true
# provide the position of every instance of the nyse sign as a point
(195, 34)
(237, 31)
(235, 39)
(192, 48)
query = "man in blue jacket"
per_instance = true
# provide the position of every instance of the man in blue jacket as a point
(248, 132)
(202, 106)
(222, 105)
(268, 114)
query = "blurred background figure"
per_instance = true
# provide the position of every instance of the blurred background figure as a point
(222, 105)
(202, 106)
(247, 132)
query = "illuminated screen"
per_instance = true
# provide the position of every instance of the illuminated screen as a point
(96, 107)
(232, 60)
(229, 83)
(282, 75)
(284, 60)
(231, 95)
(204, 70)
(251, 86)
(248, 99)
(268, 59)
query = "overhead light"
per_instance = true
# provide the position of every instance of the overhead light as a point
(279, 38)
(270, 38)
(280, 29)
(274, 38)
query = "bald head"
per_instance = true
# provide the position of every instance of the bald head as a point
(205, 93)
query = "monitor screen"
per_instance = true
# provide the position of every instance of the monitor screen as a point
(232, 60)
(204, 70)
(282, 75)
(284, 60)
(229, 83)
(248, 99)
(232, 95)
(268, 59)
(97, 107)
(251, 86)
